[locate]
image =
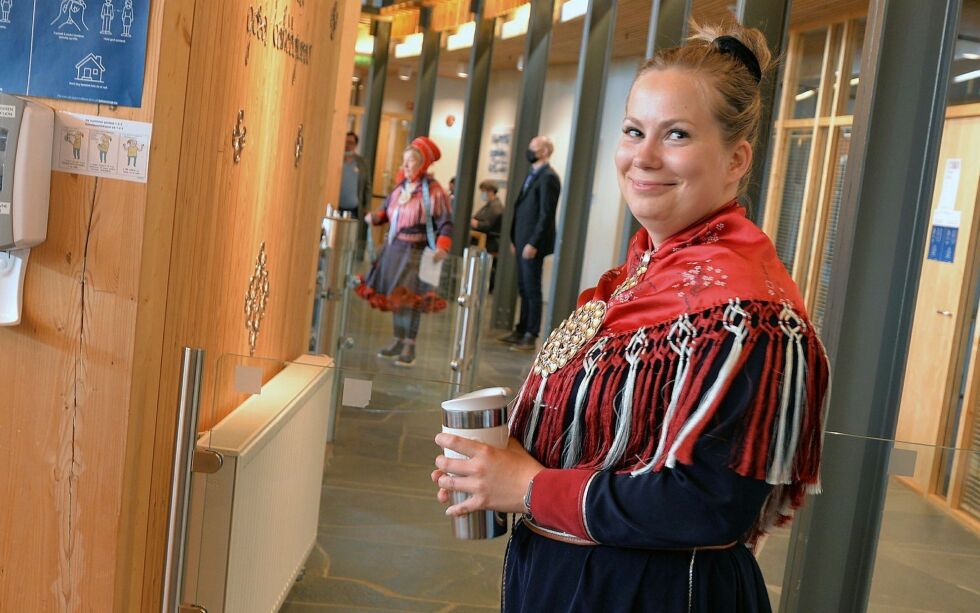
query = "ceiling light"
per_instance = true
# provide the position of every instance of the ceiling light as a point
(410, 47)
(971, 56)
(807, 94)
(404, 73)
(520, 63)
(462, 38)
(462, 71)
(855, 80)
(967, 76)
(518, 22)
(364, 45)
(574, 8)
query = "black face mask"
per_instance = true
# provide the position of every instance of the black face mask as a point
(532, 157)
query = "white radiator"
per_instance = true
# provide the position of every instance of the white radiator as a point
(254, 522)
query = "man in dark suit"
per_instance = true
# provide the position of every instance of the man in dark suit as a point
(532, 236)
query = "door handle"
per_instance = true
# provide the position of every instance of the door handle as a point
(944, 313)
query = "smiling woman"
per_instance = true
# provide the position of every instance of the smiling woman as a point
(676, 416)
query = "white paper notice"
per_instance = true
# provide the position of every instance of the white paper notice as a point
(248, 380)
(101, 146)
(947, 218)
(357, 393)
(951, 185)
(430, 271)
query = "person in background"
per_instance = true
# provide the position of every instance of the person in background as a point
(452, 193)
(418, 215)
(355, 187)
(532, 235)
(489, 220)
(676, 416)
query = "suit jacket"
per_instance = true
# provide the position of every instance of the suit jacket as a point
(534, 213)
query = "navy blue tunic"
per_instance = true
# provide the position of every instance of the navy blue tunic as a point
(649, 527)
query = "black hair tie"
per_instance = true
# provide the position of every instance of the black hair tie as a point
(734, 47)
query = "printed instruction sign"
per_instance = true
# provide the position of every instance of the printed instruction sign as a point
(101, 146)
(951, 185)
(90, 50)
(942, 243)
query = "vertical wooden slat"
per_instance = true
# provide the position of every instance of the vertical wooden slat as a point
(774, 195)
(822, 213)
(804, 239)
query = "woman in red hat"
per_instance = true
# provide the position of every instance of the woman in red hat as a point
(419, 217)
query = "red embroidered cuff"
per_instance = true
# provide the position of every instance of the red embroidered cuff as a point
(558, 500)
(379, 217)
(444, 243)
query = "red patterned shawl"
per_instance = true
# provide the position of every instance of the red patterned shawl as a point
(710, 294)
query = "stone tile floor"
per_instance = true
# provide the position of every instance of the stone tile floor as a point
(385, 545)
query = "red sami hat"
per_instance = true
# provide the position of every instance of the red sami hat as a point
(429, 150)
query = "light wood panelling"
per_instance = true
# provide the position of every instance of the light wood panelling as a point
(225, 211)
(929, 388)
(152, 300)
(86, 420)
(630, 37)
(65, 411)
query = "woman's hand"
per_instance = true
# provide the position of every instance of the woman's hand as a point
(439, 255)
(369, 219)
(496, 478)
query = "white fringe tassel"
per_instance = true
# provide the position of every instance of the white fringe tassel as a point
(727, 369)
(573, 442)
(535, 414)
(681, 340)
(516, 405)
(794, 372)
(624, 420)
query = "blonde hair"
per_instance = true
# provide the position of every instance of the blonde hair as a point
(738, 105)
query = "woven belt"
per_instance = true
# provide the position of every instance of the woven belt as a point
(571, 539)
(555, 535)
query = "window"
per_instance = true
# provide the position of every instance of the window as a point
(812, 136)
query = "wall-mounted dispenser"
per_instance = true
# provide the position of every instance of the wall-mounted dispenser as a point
(26, 140)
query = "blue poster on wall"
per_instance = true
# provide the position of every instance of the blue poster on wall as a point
(90, 50)
(942, 244)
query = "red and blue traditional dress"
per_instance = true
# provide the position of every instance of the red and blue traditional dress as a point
(678, 414)
(420, 219)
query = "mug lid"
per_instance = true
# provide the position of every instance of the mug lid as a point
(480, 400)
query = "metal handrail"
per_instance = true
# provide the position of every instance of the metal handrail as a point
(185, 444)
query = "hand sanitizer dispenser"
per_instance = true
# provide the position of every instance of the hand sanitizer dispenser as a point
(26, 139)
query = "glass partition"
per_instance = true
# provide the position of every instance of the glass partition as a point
(324, 491)
(324, 496)
(928, 556)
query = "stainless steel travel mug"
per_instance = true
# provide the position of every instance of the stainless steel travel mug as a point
(481, 416)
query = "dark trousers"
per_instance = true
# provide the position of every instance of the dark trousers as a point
(407, 323)
(529, 287)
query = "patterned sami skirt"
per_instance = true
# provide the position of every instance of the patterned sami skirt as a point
(393, 281)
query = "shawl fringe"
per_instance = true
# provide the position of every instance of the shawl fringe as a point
(665, 384)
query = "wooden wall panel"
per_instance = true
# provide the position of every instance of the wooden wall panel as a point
(131, 272)
(64, 411)
(172, 68)
(225, 211)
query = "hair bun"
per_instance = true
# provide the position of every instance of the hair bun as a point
(734, 47)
